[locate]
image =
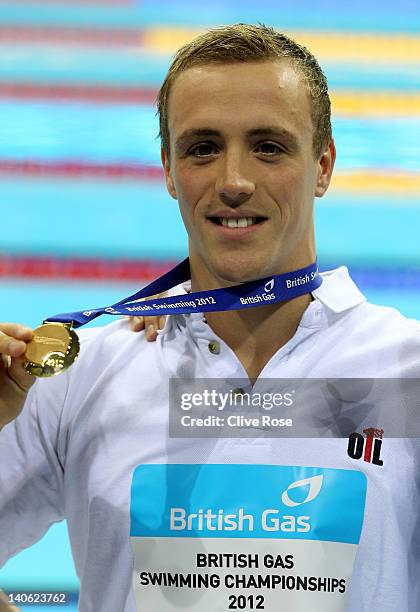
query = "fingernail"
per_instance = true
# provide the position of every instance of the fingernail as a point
(162, 322)
(150, 329)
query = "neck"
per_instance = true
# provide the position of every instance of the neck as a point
(256, 334)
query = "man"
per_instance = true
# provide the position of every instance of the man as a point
(214, 523)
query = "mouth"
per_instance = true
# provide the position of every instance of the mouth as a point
(237, 222)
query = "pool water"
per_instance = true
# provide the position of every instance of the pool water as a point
(373, 228)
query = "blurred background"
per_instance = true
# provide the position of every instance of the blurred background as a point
(85, 217)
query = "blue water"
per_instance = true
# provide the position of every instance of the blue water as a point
(325, 15)
(137, 67)
(131, 219)
(104, 218)
(127, 133)
(72, 130)
(376, 235)
(78, 65)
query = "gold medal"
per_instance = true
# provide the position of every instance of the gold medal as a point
(53, 349)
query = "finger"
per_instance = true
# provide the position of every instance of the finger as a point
(19, 376)
(152, 326)
(151, 321)
(151, 332)
(137, 323)
(10, 346)
(15, 330)
(13, 338)
(13, 354)
(5, 361)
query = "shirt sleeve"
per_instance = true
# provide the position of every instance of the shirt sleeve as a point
(32, 455)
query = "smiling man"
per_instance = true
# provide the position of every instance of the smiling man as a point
(246, 146)
(162, 518)
(245, 175)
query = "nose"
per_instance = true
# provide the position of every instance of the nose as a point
(234, 184)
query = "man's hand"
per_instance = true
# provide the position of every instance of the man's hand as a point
(5, 606)
(150, 324)
(14, 381)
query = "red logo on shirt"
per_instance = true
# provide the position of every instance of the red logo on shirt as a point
(368, 447)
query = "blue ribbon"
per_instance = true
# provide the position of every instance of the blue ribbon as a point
(269, 290)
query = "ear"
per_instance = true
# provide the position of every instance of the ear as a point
(325, 170)
(168, 176)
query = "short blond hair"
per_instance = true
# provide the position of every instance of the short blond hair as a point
(243, 42)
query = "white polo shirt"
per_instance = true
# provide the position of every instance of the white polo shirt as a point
(164, 523)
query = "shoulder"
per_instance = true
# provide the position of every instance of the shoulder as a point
(345, 304)
(101, 346)
(382, 341)
(114, 332)
(367, 339)
(376, 319)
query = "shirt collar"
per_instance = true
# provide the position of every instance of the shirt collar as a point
(338, 292)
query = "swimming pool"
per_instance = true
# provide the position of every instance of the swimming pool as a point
(369, 221)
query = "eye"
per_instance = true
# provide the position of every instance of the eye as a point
(268, 148)
(203, 149)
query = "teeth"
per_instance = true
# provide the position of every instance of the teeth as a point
(234, 223)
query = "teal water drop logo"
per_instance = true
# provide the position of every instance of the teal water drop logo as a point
(314, 483)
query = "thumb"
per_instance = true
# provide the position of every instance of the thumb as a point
(18, 375)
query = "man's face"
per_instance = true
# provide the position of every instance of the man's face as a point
(243, 170)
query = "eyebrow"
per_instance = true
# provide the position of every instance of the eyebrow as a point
(287, 137)
(193, 133)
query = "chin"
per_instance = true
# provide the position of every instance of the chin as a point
(236, 273)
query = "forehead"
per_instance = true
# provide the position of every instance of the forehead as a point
(235, 95)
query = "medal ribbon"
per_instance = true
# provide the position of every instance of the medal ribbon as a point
(269, 290)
